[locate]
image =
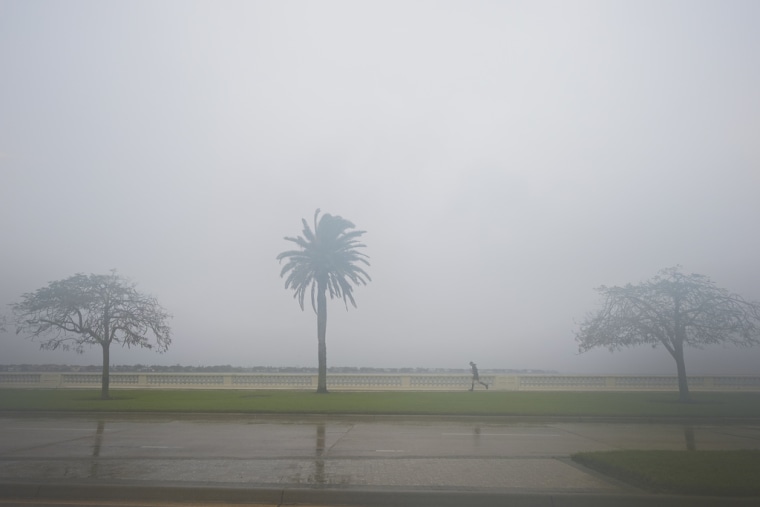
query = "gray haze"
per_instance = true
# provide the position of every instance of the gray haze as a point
(505, 158)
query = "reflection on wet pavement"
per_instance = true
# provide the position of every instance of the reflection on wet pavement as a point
(340, 452)
(96, 448)
(688, 433)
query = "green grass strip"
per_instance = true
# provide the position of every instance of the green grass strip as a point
(580, 404)
(710, 473)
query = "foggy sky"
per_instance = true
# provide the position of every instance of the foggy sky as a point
(505, 158)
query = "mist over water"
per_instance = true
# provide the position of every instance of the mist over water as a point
(504, 158)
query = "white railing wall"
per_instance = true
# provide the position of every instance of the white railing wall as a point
(374, 382)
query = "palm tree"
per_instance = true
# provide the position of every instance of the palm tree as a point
(327, 261)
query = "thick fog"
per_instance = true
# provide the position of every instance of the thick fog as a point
(505, 158)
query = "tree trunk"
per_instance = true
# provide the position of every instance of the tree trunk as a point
(683, 384)
(104, 379)
(321, 332)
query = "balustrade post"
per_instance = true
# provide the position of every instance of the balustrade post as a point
(506, 383)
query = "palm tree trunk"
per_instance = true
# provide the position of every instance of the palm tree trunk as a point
(321, 333)
(105, 378)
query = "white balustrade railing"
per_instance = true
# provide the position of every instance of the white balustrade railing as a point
(375, 382)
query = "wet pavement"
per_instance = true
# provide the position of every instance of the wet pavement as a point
(381, 454)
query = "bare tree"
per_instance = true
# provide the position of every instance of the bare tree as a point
(674, 310)
(85, 310)
(326, 262)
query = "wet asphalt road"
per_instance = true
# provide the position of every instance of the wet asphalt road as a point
(382, 453)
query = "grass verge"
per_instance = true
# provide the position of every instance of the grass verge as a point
(571, 404)
(711, 473)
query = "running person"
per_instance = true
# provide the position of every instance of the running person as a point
(476, 376)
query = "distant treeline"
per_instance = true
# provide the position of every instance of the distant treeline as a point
(178, 368)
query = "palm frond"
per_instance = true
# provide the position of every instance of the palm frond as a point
(327, 259)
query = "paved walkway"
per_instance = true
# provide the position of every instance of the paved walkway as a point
(339, 460)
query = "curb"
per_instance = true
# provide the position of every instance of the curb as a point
(126, 492)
